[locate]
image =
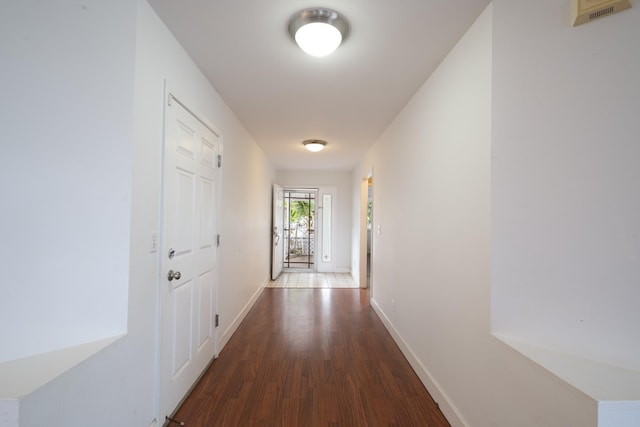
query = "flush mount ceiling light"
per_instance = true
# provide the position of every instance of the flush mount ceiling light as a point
(314, 145)
(318, 31)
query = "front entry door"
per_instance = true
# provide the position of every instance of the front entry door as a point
(277, 240)
(189, 258)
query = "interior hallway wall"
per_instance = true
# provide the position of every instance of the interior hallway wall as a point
(66, 174)
(566, 205)
(431, 260)
(118, 385)
(334, 178)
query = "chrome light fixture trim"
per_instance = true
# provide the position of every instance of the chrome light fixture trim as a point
(318, 16)
(314, 145)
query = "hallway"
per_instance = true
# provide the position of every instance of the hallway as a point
(310, 357)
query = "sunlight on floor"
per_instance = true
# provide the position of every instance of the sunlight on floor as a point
(313, 280)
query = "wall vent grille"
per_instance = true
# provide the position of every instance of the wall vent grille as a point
(588, 10)
(601, 13)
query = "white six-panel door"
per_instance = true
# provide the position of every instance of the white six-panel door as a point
(189, 267)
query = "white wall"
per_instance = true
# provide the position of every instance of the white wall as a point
(333, 178)
(431, 262)
(118, 385)
(566, 205)
(66, 174)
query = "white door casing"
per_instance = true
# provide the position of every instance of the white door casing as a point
(277, 237)
(191, 176)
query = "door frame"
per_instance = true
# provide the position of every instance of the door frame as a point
(318, 264)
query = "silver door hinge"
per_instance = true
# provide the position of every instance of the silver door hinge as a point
(219, 160)
(218, 241)
(217, 320)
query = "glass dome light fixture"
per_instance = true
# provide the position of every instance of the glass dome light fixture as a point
(314, 145)
(318, 31)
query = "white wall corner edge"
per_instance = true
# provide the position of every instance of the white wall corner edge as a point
(445, 403)
(22, 377)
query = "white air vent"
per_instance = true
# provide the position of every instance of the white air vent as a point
(588, 10)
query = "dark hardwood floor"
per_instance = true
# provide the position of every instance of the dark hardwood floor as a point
(310, 357)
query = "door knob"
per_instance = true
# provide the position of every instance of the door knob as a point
(174, 275)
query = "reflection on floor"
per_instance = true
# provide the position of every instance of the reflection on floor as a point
(313, 280)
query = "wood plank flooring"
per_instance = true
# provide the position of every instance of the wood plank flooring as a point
(310, 357)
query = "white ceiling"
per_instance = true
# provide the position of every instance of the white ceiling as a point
(284, 96)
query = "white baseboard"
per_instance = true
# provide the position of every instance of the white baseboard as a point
(226, 335)
(447, 407)
(343, 270)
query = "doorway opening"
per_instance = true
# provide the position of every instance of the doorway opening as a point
(366, 227)
(369, 227)
(299, 229)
